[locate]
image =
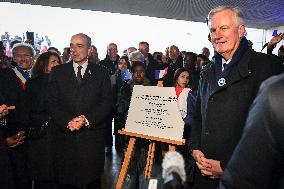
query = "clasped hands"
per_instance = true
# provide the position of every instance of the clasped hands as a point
(208, 167)
(77, 123)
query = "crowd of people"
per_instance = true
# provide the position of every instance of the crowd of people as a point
(57, 112)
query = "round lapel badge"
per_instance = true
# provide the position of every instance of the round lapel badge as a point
(221, 82)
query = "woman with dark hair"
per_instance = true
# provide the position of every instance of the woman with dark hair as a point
(185, 98)
(39, 134)
(44, 64)
(186, 105)
(121, 76)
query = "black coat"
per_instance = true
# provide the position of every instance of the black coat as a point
(111, 66)
(221, 112)
(258, 160)
(6, 181)
(14, 94)
(79, 157)
(150, 69)
(172, 67)
(39, 143)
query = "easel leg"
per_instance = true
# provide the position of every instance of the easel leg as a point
(150, 158)
(125, 164)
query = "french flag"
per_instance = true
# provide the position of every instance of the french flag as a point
(159, 74)
(7, 46)
(43, 46)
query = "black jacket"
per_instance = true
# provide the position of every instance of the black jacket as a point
(79, 157)
(6, 180)
(221, 111)
(40, 138)
(258, 160)
(111, 66)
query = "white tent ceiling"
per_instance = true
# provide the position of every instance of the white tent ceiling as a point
(263, 14)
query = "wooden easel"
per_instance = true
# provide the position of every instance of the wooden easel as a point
(151, 151)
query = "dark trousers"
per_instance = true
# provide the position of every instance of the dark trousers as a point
(108, 131)
(96, 184)
(6, 177)
(119, 123)
(44, 185)
(18, 157)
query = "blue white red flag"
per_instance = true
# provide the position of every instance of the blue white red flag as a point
(7, 46)
(159, 74)
(43, 46)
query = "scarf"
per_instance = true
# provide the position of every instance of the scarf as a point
(182, 94)
(236, 57)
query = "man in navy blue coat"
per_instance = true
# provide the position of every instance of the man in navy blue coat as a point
(228, 86)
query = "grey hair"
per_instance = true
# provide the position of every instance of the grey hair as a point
(23, 45)
(88, 39)
(136, 56)
(239, 17)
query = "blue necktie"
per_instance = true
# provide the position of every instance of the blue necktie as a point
(224, 66)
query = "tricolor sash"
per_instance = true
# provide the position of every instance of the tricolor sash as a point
(22, 76)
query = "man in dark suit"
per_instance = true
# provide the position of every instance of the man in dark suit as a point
(6, 178)
(12, 87)
(111, 64)
(226, 90)
(258, 160)
(79, 101)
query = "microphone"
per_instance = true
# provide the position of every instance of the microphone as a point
(265, 45)
(173, 171)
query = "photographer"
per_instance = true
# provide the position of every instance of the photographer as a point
(272, 44)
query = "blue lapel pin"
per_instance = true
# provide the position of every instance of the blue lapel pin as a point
(221, 82)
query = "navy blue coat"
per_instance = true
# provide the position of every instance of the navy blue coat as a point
(221, 111)
(258, 160)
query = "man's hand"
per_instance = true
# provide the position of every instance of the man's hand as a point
(215, 170)
(15, 140)
(4, 110)
(208, 167)
(276, 39)
(203, 165)
(77, 123)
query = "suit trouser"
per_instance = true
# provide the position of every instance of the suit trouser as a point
(18, 156)
(108, 131)
(96, 184)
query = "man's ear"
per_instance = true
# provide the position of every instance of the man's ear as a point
(89, 51)
(242, 30)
